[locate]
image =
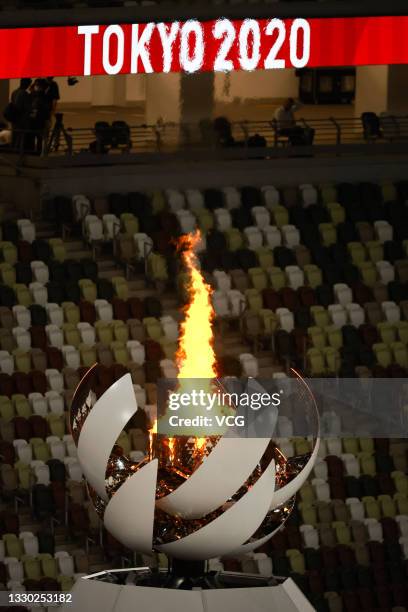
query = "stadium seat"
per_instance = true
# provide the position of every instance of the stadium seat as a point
(272, 236)
(343, 294)
(104, 310)
(295, 276)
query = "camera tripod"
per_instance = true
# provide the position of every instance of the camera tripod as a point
(58, 132)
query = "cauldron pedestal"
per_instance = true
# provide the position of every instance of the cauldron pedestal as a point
(144, 590)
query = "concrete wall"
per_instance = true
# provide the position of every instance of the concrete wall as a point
(99, 90)
(136, 88)
(398, 89)
(163, 97)
(80, 94)
(109, 90)
(121, 90)
(102, 180)
(22, 193)
(378, 88)
(371, 89)
(381, 88)
(260, 84)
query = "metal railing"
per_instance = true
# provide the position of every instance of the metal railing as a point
(329, 131)
(169, 137)
(172, 137)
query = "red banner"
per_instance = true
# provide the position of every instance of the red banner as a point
(192, 46)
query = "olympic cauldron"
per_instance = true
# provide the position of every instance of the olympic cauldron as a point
(190, 498)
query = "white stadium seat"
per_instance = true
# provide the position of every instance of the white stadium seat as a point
(136, 351)
(144, 244)
(272, 236)
(254, 237)
(81, 205)
(55, 314)
(93, 228)
(286, 319)
(220, 303)
(55, 335)
(386, 271)
(87, 331)
(383, 231)
(232, 197)
(38, 403)
(6, 363)
(309, 194)
(356, 314)
(55, 402)
(55, 380)
(338, 315)
(187, 220)
(104, 310)
(391, 311)
(291, 236)
(343, 293)
(295, 276)
(26, 229)
(22, 316)
(175, 199)
(194, 198)
(223, 220)
(236, 301)
(39, 293)
(40, 272)
(261, 216)
(222, 280)
(111, 226)
(22, 337)
(170, 328)
(249, 364)
(271, 196)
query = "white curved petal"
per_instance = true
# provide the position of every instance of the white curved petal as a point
(230, 529)
(246, 548)
(101, 429)
(129, 515)
(211, 485)
(284, 493)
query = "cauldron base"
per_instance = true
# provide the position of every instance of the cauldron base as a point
(145, 590)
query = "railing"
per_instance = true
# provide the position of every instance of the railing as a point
(329, 131)
(172, 137)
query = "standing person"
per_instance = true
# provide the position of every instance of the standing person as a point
(40, 113)
(286, 124)
(53, 94)
(17, 113)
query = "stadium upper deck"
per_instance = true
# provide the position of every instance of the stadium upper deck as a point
(53, 12)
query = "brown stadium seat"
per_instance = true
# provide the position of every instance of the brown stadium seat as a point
(39, 359)
(7, 320)
(105, 356)
(121, 309)
(71, 378)
(54, 358)
(38, 381)
(136, 308)
(88, 313)
(38, 337)
(22, 383)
